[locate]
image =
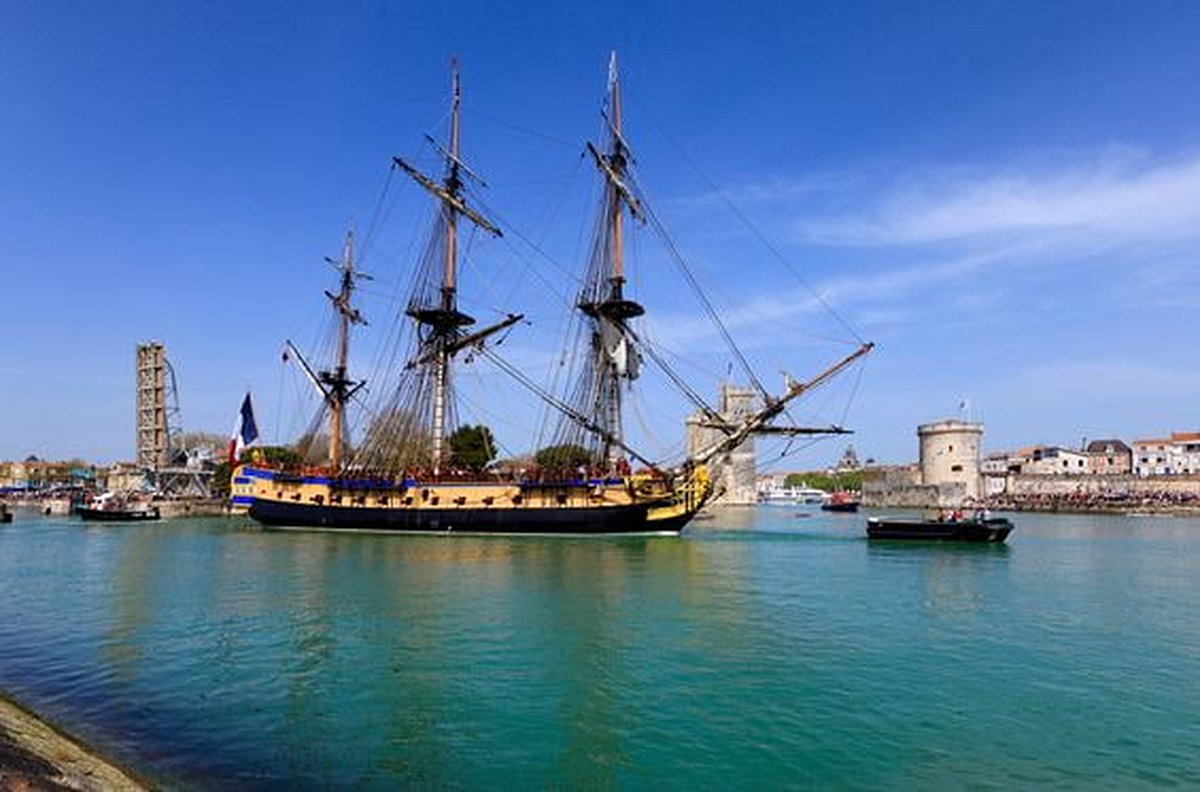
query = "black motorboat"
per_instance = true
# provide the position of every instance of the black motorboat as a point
(111, 507)
(118, 514)
(976, 529)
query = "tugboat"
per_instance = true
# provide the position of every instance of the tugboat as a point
(111, 507)
(980, 528)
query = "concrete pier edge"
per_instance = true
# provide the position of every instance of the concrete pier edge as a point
(37, 755)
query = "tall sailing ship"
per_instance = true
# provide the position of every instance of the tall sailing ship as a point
(403, 477)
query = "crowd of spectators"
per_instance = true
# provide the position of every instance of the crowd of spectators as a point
(1148, 500)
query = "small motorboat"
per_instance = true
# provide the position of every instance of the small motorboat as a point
(840, 501)
(975, 529)
(112, 508)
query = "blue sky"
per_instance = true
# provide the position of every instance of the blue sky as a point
(1004, 196)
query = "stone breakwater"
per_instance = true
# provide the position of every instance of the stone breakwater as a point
(36, 756)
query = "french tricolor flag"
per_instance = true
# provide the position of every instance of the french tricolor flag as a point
(245, 431)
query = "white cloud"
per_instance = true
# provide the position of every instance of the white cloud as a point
(1086, 383)
(1112, 196)
(776, 190)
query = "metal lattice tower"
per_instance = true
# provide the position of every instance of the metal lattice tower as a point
(153, 435)
(169, 467)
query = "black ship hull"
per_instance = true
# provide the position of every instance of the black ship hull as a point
(117, 515)
(488, 520)
(848, 506)
(992, 531)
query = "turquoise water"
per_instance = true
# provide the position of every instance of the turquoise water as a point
(761, 649)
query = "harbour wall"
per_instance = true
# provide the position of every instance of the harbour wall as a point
(901, 487)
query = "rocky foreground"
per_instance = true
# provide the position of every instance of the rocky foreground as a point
(35, 756)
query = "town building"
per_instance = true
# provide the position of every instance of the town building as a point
(849, 461)
(1055, 461)
(1185, 452)
(1109, 457)
(1176, 455)
(40, 474)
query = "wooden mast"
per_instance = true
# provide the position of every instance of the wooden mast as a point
(337, 404)
(445, 320)
(613, 310)
(441, 362)
(617, 158)
(338, 386)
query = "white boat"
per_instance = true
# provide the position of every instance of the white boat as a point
(792, 495)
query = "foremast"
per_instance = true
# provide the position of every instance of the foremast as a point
(340, 386)
(334, 384)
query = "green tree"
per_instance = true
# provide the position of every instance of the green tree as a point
(283, 456)
(850, 480)
(566, 455)
(471, 447)
(221, 479)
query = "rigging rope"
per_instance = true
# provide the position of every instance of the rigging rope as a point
(749, 225)
(690, 277)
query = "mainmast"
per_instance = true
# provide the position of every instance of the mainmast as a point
(614, 355)
(444, 320)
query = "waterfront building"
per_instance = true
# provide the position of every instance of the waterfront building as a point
(733, 473)
(124, 477)
(1150, 457)
(1109, 457)
(1176, 455)
(40, 474)
(950, 455)
(947, 474)
(1184, 452)
(1055, 461)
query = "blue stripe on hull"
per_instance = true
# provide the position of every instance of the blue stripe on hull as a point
(587, 520)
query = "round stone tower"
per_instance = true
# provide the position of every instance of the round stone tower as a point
(950, 454)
